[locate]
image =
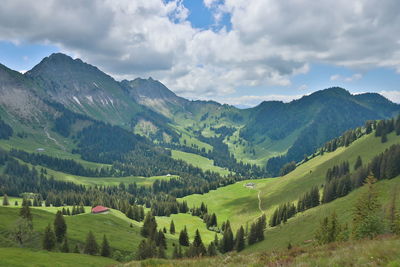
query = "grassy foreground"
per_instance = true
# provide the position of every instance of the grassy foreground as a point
(383, 251)
(13, 257)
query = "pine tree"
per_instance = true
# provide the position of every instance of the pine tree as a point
(227, 242)
(149, 228)
(65, 246)
(261, 225)
(147, 249)
(321, 235)
(91, 246)
(105, 248)
(76, 249)
(198, 246)
(160, 239)
(49, 239)
(5, 200)
(358, 163)
(25, 211)
(333, 228)
(211, 249)
(184, 237)
(366, 219)
(60, 227)
(252, 238)
(172, 227)
(161, 252)
(175, 254)
(239, 242)
(384, 137)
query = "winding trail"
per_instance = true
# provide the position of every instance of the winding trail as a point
(53, 139)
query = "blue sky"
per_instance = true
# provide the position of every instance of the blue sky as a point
(232, 53)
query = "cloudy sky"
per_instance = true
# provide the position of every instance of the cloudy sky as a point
(234, 51)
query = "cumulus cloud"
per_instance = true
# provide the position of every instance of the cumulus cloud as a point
(268, 42)
(394, 96)
(354, 77)
(253, 100)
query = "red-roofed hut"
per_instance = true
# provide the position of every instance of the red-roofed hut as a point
(100, 209)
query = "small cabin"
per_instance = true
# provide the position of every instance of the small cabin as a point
(39, 149)
(250, 185)
(100, 209)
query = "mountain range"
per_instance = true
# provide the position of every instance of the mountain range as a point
(268, 135)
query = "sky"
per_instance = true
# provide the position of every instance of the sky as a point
(237, 52)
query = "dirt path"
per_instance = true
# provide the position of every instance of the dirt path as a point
(259, 202)
(53, 139)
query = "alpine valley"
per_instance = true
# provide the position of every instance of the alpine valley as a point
(177, 182)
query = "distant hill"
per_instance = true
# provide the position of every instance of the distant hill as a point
(270, 134)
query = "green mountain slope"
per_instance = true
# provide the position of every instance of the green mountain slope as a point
(241, 204)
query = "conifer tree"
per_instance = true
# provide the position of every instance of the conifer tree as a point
(172, 227)
(65, 246)
(60, 227)
(358, 163)
(5, 200)
(160, 239)
(198, 246)
(366, 219)
(105, 248)
(211, 249)
(76, 249)
(147, 249)
(239, 242)
(25, 211)
(91, 246)
(149, 228)
(184, 237)
(227, 242)
(49, 239)
(252, 237)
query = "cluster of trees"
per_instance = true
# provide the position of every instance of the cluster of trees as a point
(368, 220)
(5, 130)
(309, 200)
(288, 167)
(257, 228)
(75, 210)
(64, 165)
(155, 243)
(287, 210)
(282, 214)
(384, 127)
(383, 166)
(134, 212)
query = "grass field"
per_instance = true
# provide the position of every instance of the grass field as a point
(199, 161)
(379, 252)
(16, 257)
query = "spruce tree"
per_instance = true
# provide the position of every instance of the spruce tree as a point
(172, 227)
(149, 228)
(160, 239)
(60, 227)
(65, 246)
(25, 211)
(49, 239)
(239, 242)
(76, 249)
(91, 246)
(105, 248)
(252, 237)
(366, 218)
(147, 249)
(211, 250)
(175, 252)
(198, 246)
(358, 163)
(5, 200)
(184, 237)
(227, 242)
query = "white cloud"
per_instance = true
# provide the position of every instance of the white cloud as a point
(269, 43)
(254, 100)
(394, 96)
(303, 87)
(354, 77)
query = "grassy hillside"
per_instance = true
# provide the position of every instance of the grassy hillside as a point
(240, 204)
(199, 161)
(13, 257)
(380, 252)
